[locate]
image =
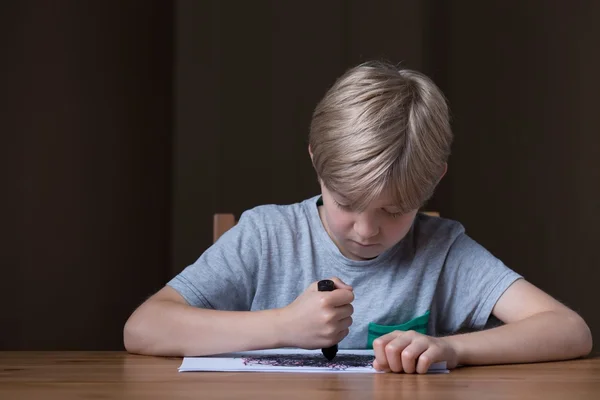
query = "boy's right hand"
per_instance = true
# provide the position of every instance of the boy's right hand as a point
(318, 319)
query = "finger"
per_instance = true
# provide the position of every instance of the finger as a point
(377, 366)
(345, 323)
(344, 311)
(339, 284)
(430, 356)
(410, 355)
(394, 349)
(341, 335)
(379, 345)
(339, 297)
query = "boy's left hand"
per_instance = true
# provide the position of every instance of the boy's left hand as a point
(411, 352)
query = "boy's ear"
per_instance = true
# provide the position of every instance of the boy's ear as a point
(443, 172)
(313, 163)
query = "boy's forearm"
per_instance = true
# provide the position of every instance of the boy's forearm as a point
(166, 328)
(547, 336)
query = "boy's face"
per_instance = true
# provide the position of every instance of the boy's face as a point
(364, 235)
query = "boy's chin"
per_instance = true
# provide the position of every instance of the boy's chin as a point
(362, 253)
(364, 257)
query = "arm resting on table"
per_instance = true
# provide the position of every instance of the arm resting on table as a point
(537, 328)
(165, 325)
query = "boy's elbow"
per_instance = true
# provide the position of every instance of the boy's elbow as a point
(588, 342)
(583, 335)
(133, 336)
(129, 337)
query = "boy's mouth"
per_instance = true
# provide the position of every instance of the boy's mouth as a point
(366, 245)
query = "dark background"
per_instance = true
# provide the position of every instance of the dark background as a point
(127, 124)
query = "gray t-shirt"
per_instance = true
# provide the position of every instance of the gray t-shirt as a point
(436, 280)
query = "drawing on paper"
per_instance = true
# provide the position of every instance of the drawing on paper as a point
(290, 360)
(339, 363)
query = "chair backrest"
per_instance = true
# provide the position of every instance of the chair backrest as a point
(223, 222)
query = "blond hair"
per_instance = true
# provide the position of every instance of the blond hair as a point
(381, 129)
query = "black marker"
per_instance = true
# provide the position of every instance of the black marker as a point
(327, 285)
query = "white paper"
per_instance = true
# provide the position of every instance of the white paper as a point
(289, 360)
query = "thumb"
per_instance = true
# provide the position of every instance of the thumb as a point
(339, 284)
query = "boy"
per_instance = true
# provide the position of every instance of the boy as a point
(405, 283)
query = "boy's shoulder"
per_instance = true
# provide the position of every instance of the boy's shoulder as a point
(436, 232)
(276, 215)
(448, 238)
(430, 224)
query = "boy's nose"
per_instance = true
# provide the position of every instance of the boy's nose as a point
(366, 229)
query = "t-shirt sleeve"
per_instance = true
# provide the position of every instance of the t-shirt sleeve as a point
(472, 281)
(224, 276)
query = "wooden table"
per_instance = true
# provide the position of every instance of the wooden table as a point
(118, 375)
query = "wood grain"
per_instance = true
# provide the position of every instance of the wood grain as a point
(118, 375)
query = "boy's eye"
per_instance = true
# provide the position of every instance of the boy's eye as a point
(342, 206)
(393, 214)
